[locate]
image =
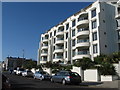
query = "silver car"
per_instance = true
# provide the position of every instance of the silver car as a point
(66, 77)
(42, 75)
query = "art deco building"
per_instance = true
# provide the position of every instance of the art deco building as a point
(90, 32)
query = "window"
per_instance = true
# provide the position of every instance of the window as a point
(66, 35)
(67, 26)
(73, 23)
(95, 48)
(118, 23)
(94, 24)
(54, 32)
(94, 36)
(118, 34)
(93, 13)
(118, 10)
(66, 44)
(73, 32)
(73, 42)
(54, 40)
(119, 46)
(73, 53)
(50, 34)
(66, 54)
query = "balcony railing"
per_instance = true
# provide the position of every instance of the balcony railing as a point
(82, 40)
(59, 48)
(45, 45)
(58, 57)
(82, 52)
(60, 30)
(60, 39)
(83, 29)
(82, 18)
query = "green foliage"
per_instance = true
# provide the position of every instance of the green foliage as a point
(29, 64)
(107, 68)
(85, 63)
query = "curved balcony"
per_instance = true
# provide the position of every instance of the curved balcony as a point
(44, 54)
(58, 51)
(60, 41)
(56, 60)
(82, 44)
(60, 33)
(45, 40)
(82, 22)
(44, 47)
(42, 62)
(83, 33)
(81, 56)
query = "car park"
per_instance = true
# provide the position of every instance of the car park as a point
(27, 73)
(42, 75)
(66, 77)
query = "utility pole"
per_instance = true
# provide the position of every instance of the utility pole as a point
(23, 53)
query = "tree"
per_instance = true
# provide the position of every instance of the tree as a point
(107, 68)
(85, 63)
(29, 64)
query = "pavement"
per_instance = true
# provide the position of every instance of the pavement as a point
(106, 84)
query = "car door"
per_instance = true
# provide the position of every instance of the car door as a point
(56, 77)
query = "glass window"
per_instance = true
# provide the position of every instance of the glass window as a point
(67, 26)
(118, 23)
(73, 32)
(73, 53)
(73, 42)
(73, 23)
(118, 34)
(50, 34)
(118, 10)
(66, 35)
(66, 44)
(66, 54)
(94, 36)
(93, 13)
(95, 50)
(94, 24)
(54, 32)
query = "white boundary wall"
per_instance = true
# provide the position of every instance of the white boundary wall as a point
(109, 78)
(91, 75)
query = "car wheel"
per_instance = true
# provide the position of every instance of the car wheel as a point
(63, 82)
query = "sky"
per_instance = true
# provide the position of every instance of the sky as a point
(24, 22)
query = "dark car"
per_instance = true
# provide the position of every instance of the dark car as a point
(66, 77)
(5, 83)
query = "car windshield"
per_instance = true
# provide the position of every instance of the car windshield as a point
(43, 72)
(28, 71)
(21, 69)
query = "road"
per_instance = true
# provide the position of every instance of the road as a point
(28, 83)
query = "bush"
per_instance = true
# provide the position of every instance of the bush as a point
(107, 69)
(85, 63)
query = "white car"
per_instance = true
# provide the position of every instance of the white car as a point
(19, 72)
(27, 73)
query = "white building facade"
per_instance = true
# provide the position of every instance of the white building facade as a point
(90, 32)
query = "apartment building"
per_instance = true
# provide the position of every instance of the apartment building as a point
(90, 32)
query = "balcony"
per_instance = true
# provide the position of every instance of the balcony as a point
(45, 40)
(82, 43)
(43, 62)
(81, 54)
(60, 41)
(44, 47)
(83, 32)
(60, 33)
(58, 50)
(44, 54)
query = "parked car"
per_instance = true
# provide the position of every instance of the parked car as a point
(19, 71)
(27, 73)
(5, 83)
(42, 75)
(14, 71)
(66, 77)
